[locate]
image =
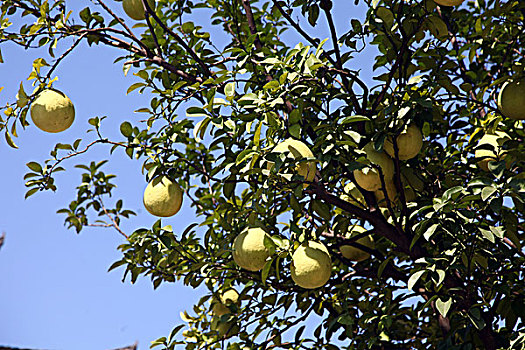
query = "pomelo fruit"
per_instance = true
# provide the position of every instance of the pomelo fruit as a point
(163, 197)
(368, 178)
(409, 143)
(497, 153)
(354, 253)
(511, 99)
(311, 265)
(297, 150)
(249, 251)
(227, 298)
(52, 111)
(135, 9)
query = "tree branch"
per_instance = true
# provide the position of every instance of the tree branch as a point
(192, 53)
(382, 227)
(251, 23)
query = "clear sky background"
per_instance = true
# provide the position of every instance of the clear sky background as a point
(55, 291)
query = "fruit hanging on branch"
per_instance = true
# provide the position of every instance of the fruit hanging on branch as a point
(311, 265)
(221, 305)
(135, 8)
(52, 111)
(297, 150)
(249, 250)
(511, 99)
(354, 253)
(492, 149)
(409, 143)
(163, 197)
(369, 177)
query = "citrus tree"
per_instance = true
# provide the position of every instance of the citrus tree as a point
(388, 210)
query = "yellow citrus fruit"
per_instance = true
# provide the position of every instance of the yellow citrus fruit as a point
(163, 197)
(353, 195)
(249, 251)
(220, 307)
(135, 8)
(52, 111)
(511, 99)
(448, 2)
(409, 143)
(391, 191)
(297, 150)
(368, 178)
(496, 141)
(311, 265)
(354, 253)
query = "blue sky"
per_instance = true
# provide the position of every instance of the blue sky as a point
(55, 292)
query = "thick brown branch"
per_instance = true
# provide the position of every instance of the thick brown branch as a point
(251, 23)
(381, 226)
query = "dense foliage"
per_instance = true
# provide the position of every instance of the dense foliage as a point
(447, 270)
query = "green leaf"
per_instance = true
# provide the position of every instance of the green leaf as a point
(37, 168)
(498, 231)
(266, 270)
(295, 130)
(322, 209)
(257, 135)
(188, 27)
(487, 192)
(414, 278)
(9, 140)
(386, 16)
(196, 112)
(229, 188)
(31, 192)
(274, 84)
(134, 87)
(430, 231)
(443, 307)
(487, 234)
(200, 129)
(126, 129)
(116, 264)
(475, 317)
(355, 119)
(247, 153)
